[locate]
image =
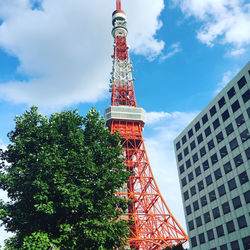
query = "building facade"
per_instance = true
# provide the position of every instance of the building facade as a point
(213, 159)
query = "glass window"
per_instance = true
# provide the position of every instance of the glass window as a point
(231, 92)
(207, 131)
(193, 241)
(193, 190)
(246, 240)
(210, 144)
(233, 144)
(226, 208)
(195, 157)
(248, 112)
(184, 182)
(220, 231)
(196, 205)
(186, 151)
(200, 138)
(240, 120)
(205, 165)
(190, 176)
(204, 119)
(242, 221)
(179, 156)
(198, 221)
(209, 180)
(235, 245)
(212, 196)
(217, 174)
(178, 145)
(245, 135)
(246, 96)
(227, 167)
(232, 184)
(223, 247)
(191, 225)
(197, 171)
(212, 111)
(186, 195)
(223, 151)
(219, 137)
(247, 152)
(238, 160)
(214, 158)
(184, 140)
(236, 202)
(235, 106)
(229, 129)
(202, 238)
(216, 213)
(243, 177)
(210, 234)
(222, 102)
(200, 185)
(247, 196)
(225, 115)
(197, 126)
(188, 210)
(190, 133)
(216, 123)
(192, 145)
(182, 169)
(242, 82)
(202, 151)
(230, 226)
(188, 163)
(207, 217)
(203, 201)
(221, 190)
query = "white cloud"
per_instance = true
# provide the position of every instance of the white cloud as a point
(226, 78)
(153, 117)
(64, 47)
(3, 196)
(164, 128)
(173, 49)
(143, 23)
(223, 21)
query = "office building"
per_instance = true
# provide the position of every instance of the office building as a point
(213, 159)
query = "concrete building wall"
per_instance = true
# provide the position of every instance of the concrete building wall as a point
(213, 159)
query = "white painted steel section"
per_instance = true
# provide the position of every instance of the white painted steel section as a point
(125, 113)
(121, 74)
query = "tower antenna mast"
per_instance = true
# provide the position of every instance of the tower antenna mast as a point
(118, 5)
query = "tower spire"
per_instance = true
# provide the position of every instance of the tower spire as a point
(153, 225)
(118, 5)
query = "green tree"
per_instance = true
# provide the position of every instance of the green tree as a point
(61, 177)
(176, 247)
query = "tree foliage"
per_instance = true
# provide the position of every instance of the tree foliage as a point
(176, 247)
(61, 177)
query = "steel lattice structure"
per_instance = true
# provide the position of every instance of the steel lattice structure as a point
(153, 225)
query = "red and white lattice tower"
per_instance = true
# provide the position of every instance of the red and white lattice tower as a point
(153, 225)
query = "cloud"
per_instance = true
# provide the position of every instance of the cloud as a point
(162, 130)
(223, 21)
(173, 49)
(226, 78)
(3, 196)
(64, 47)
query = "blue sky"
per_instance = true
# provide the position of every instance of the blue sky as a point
(56, 54)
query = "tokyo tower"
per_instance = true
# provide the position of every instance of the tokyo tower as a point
(153, 226)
